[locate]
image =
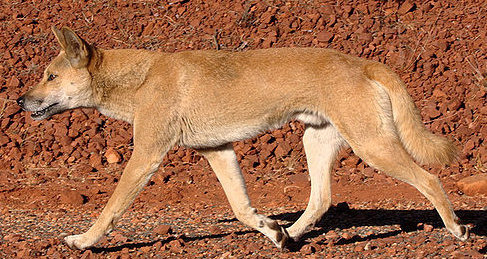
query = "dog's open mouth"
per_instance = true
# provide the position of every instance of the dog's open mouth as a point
(43, 112)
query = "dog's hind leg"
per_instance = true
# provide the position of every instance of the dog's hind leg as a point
(387, 154)
(378, 144)
(224, 163)
(321, 145)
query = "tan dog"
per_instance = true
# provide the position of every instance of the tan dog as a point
(208, 99)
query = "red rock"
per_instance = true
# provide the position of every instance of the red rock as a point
(405, 7)
(88, 254)
(359, 248)
(176, 246)
(439, 93)
(267, 43)
(95, 160)
(12, 238)
(300, 179)
(157, 246)
(4, 139)
(119, 237)
(324, 36)
(71, 197)
(162, 229)
(428, 228)
(431, 111)
(458, 254)
(307, 249)
(112, 156)
(14, 82)
(214, 230)
(11, 109)
(442, 45)
(331, 235)
(282, 149)
(24, 253)
(469, 145)
(125, 253)
(145, 249)
(474, 185)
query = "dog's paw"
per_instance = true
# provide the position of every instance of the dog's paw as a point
(462, 233)
(281, 237)
(283, 240)
(79, 242)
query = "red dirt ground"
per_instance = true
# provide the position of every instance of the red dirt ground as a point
(55, 177)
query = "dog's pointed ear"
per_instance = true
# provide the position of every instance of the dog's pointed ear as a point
(59, 36)
(75, 48)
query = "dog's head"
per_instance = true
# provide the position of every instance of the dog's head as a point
(66, 83)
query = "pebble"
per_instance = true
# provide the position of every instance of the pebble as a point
(162, 229)
(474, 185)
(112, 156)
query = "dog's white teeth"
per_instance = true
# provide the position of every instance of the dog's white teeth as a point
(37, 113)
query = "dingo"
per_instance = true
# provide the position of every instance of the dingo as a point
(208, 99)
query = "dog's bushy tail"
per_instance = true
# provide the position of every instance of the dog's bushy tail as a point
(420, 143)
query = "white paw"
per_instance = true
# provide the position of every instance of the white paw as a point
(462, 232)
(78, 242)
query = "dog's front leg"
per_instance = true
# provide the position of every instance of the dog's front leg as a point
(224, 163)
(149, 150)
(135, 176)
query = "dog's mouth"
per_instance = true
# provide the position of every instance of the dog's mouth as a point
(44, 113)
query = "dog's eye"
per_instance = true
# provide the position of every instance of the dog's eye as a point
(51, 77)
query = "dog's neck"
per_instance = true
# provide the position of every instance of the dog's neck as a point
(116, 74)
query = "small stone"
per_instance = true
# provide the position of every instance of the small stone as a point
(95, 160)
(157, 246)
(300, 179)
(13, 82)
(162, 229)
(307, 249)
(457, 254)
(72, 197)
(88, 254)
(119, 238)
(359, 248)
(176, 246)
(145, 249)
(125, 250)
(331, 235)
(473, 185)
(405, 7)
(12, 238)
(324, 36)
(428, 228)
(112, 156)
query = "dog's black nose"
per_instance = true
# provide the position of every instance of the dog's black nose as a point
(20, 101)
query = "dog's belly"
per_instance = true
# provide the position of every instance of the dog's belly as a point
(213, 134)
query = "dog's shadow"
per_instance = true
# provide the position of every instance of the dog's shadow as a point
(342, 217)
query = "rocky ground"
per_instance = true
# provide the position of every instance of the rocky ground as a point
(56, 175)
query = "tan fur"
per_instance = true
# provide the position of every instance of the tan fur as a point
(208, 99)
(418, 141)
